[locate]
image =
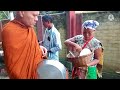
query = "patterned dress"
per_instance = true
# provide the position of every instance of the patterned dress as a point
(92, 45)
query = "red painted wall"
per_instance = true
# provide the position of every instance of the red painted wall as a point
(74, 24)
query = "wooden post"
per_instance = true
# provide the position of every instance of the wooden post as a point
(40, 28)
(71, 24)
(79, 24)
(0, 31)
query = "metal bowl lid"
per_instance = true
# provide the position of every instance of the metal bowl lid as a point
(51, 69)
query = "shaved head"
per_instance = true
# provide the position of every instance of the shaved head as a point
(29, 18)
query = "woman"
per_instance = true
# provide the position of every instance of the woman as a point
(87, 40)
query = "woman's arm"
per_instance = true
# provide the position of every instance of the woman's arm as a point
(71, 43)
(97, 55)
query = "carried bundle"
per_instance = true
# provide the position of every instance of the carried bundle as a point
(80, 59)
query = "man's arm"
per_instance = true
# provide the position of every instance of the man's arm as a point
(57, 43)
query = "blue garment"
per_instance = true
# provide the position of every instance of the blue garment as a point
(54, 44)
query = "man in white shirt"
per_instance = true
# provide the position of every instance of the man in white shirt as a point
(51, 39)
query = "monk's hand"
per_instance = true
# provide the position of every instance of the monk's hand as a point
(40, 42)
(44, 51)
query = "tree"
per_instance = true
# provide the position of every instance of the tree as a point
(4, 15)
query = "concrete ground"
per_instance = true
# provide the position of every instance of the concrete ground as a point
(3, 74)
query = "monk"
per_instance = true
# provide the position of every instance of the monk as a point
(22, 52)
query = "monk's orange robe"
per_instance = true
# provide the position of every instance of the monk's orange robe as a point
(22, 53)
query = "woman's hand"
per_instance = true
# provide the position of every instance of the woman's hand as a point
(71, 43)
(78, 48)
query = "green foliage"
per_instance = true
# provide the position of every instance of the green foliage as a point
(3, 15)
(59, 21)
(50, 12)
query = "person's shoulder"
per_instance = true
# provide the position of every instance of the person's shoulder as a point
(79, 36)
(9, 25)
(95, 39)
(55, 30)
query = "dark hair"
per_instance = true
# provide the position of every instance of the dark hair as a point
(47, 18)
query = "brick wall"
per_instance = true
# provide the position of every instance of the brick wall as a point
(109, 34)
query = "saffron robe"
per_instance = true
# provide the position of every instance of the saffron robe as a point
(22, 53)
